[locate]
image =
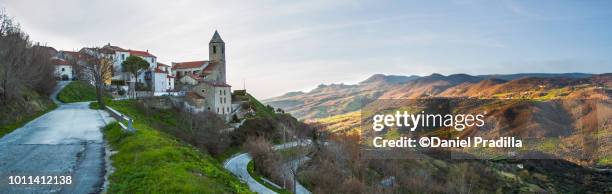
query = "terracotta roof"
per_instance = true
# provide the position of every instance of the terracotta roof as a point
(170, 76)
(74, 54)
(57, 61)
(141, 53)
(161, 64)
(209, 68)
(188, 65)
(69, 52)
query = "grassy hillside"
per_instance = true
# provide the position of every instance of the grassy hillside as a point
(150, 161)
(261, 110)
(16, 113)
(77, 91)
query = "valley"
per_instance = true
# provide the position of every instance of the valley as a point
(563, 121)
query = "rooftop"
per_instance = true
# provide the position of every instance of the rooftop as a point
(141, 53)
(189, 64)
(216, 38)
(57, 61)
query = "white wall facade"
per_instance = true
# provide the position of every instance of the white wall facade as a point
(62, 71)
(162, 82)
(222, 101)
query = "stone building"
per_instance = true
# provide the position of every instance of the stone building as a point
(205, 81)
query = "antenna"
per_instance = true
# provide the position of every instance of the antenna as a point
(244, 84)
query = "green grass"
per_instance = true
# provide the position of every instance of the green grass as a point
(605, 160)
(555, 94)
(78, 91)
(149, 161)
(260, 109)
(258, 178)
(6, 129)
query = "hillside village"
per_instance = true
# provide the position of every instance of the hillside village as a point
(198, 85)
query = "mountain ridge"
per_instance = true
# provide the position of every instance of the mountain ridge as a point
(333, 99)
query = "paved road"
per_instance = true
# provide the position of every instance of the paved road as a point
(238, 166)
(290, 167)
(65, 141)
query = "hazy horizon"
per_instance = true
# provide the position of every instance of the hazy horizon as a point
(278, 46)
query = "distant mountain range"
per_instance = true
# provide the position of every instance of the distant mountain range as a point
(517, 105)
(334, 99)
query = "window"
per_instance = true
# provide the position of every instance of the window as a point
(153, 60)
(214, 49)
(203, 91)
(217, 110)
(228, 110)
(220, 100)
(219, 92)
(63, 69)
(224, 92)
(122, 56)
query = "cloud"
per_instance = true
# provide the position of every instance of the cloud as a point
(280, 46)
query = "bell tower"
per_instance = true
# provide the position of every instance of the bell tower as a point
(216, 54)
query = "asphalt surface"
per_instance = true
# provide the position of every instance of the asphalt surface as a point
(292, 166)
(237, 165)
(64, 142)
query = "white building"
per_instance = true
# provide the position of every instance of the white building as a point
(157, 77)
(163, 81)
(63, 70)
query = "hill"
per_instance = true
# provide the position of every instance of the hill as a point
(557, 113)
(154, 152)
(328, 100)
(334, 99)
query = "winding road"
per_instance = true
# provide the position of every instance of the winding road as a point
(238, 166)
(64, 142)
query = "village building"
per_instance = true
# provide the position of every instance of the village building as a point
(63, 69)
(163, 80)
(158, 78)
(205, 81)
(68, 55)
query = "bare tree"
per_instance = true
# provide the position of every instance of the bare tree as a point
(13, 46)
(266, 160)
(96, 66)
(22, 65)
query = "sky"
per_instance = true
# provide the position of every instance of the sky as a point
(274, 47)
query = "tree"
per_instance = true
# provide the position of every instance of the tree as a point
(134, 65)
(23, 65)
(96, 66)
